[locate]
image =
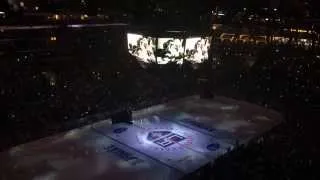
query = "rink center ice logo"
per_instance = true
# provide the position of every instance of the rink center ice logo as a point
(164, 138)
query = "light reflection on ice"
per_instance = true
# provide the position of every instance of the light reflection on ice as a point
(261, 118)
(60, 164)
(73, 134)
(232, 126)
(47, 176)
(229, 108)
(16, 150)
(142, 138)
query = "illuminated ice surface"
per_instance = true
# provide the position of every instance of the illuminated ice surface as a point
(166, 141)
(161, 147)
(81, 154)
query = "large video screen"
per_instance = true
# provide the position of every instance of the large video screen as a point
(165, 50)
(170, 50)
(142, 47)
(197, 49)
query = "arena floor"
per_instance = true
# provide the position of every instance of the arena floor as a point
(165, 141)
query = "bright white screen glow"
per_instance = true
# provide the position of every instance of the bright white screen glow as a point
(197, 49)
(168, 49)
(142, 47)
(171, 50)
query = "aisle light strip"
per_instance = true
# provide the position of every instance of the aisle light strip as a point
(57, 26)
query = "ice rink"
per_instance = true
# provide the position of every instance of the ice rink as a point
(166, 141)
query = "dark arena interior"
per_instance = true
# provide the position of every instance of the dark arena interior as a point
(159, 89)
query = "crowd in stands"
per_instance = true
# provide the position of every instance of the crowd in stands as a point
(278, 76)
(45, 95)
(282, 77)
(270, 75)
(40, 98)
